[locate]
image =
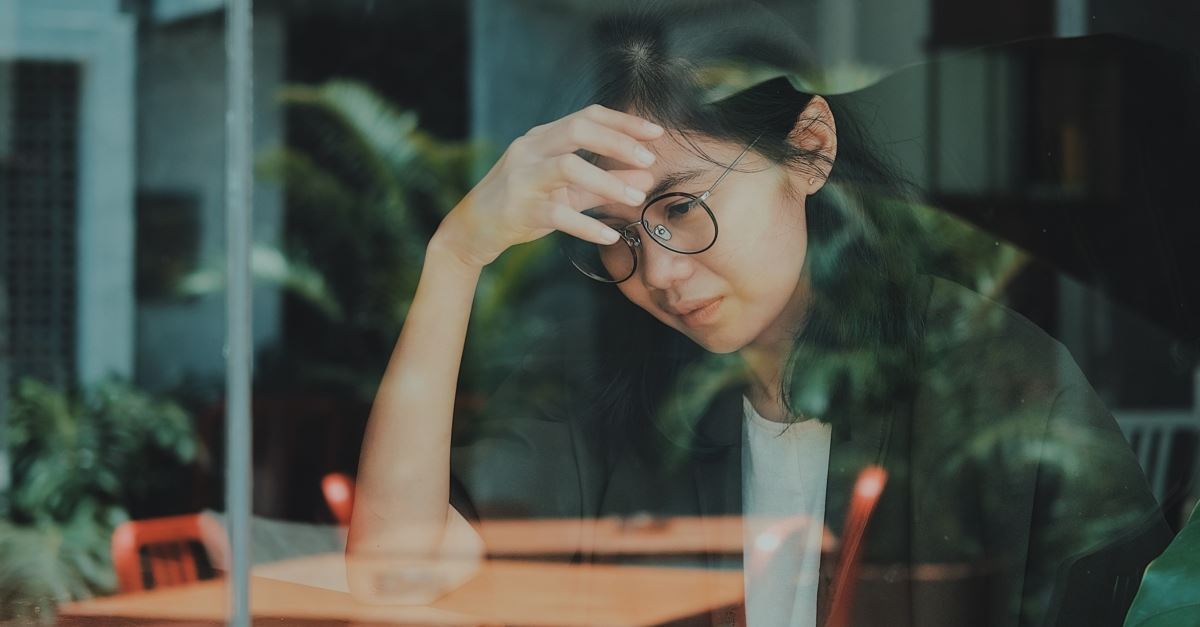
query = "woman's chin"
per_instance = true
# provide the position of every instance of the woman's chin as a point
(715, 337)
(715, 342)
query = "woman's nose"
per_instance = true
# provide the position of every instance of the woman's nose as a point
(661, 268)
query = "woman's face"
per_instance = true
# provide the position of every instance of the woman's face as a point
(748, 285)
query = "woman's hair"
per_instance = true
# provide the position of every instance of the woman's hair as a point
(856, 353)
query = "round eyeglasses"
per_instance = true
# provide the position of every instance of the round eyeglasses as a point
(678, 221)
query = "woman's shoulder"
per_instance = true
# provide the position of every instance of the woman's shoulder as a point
(980, 342)
(956, 312)
(542, 369)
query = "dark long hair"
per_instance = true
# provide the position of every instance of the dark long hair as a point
(863, 325)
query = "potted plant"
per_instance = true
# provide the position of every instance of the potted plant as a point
(79, 467)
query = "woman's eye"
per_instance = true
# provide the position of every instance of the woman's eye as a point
(680, 209)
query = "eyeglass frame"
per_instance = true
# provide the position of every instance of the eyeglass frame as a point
(633, 242)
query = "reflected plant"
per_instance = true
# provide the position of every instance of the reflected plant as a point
(987, 422)
(366, 189)
(1170, 592)
(78, 466)
(926, 237)
(974, 444)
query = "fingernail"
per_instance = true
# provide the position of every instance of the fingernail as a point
(609, 235)
(644, 156)
(634, 194)
(652, 127)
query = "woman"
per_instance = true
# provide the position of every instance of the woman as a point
(773, 337)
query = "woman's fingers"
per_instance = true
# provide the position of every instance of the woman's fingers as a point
(571, 222)
(573, 170)
(540, 184)
(582, 199)
(581, 132)
(631, 124)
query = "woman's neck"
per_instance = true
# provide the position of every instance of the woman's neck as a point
(765, 389)
(767, 356)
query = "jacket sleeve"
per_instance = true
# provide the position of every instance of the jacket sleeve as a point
(1026, 471)
(1097, 525)
(519, 460)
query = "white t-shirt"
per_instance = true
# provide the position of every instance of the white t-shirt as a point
(783, 495)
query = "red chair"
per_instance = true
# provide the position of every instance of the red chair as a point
(338, 489)
(161, 552)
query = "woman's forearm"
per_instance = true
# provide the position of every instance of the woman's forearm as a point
(402, 495)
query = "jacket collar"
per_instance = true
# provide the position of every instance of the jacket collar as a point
(718, 478)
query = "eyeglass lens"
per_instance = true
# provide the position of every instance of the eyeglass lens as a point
(678, 222)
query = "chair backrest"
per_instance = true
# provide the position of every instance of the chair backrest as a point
(169, 551)
(1152, 435)
(338, 489)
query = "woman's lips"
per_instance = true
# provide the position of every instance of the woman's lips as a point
(703, 315)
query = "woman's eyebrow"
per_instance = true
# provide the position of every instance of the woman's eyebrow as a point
(673, 179)
(665, 183)
(599, 214)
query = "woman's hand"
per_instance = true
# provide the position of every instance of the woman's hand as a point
(540, 185)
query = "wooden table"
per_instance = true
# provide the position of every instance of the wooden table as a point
(313, 590)
(613, 536)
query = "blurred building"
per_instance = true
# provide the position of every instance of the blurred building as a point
(117, 113)
(112, 162)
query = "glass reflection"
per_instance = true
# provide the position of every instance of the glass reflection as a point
(938, 368)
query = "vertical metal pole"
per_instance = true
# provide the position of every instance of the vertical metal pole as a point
(1070, 18)
(239, 185)
(8, 54)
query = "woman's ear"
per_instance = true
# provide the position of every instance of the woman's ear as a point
(814, 132)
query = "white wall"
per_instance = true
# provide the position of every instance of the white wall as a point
(94, 34)
(181, 147)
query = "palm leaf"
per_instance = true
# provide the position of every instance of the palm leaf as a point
(1170, 592)
(370, 136)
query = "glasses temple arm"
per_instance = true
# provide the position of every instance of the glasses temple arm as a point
(708, 191)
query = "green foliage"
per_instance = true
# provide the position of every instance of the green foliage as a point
(366, 189)
(1170, 591)
(77, 465)
(932, 241)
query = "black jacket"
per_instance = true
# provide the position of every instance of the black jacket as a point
(1012, 499)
